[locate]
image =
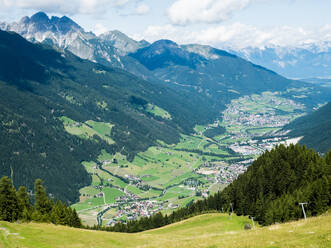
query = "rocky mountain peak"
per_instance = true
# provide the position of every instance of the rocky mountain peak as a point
(40, 17)
(121, 41)
(40, 23)
(165, 43)
(25, 20)
(65, 24)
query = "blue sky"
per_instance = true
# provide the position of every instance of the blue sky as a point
(221, 23)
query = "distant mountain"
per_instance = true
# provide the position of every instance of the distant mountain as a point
(66, 34)
(122, 42)
(306, 61)
(324, 82)
(217, 74)
(111, 48)
(315, 128)
(194, 68)
(39, 85)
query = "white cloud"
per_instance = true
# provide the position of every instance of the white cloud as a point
(99, 29)
(184, 12)
(66, 6)
(142, 9)
(237, 36)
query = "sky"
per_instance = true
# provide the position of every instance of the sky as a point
(221, 23)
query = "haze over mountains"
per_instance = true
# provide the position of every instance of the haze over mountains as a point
(306, 61)
(42, 83)
(311, 60)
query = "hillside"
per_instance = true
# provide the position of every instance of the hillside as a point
(211, 230)
(270, 190)
(219, 75)
(315, 128)
(41, 87)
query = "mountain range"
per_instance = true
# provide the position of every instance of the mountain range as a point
(305, 61)
(58, 73)
(111, 48)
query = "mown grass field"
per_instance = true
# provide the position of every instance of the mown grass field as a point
(210, 230)
(88, 129)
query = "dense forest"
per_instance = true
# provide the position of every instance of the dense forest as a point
(270, 190)
(16, 205)
(38, 85)
(315, 128)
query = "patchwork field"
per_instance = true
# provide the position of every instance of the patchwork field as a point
(166, 177)
(211, 230)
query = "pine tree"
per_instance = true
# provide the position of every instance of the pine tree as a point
(328, 158)
(9, 207)
(320, 196)
(42, 204)
(24, 204)
(75, 221)
(59, 214)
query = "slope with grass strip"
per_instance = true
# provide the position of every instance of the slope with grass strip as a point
(210, 230)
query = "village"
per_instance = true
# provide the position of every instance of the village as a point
(253, 124)
(134, 210)
(259, 116)
(131, 207)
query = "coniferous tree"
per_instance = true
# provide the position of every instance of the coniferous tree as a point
(25, 207)
(59, 214)
(328, 158)
(43, 205)
(9, 206)
(319, 196)
(74, 219)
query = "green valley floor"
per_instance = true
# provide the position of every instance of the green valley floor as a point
(209, 230)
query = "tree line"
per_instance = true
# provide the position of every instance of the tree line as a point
(270, 190)
(17, 205)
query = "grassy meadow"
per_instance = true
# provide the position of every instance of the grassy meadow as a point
(210, 230)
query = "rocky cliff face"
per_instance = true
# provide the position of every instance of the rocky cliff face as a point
(64, 33)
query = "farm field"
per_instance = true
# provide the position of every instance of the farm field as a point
(157, 111)
(88, 129)
(166, 177)
(210, 230)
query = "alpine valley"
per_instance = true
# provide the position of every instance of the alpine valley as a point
(121, 129)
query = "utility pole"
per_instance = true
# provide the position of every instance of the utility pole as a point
(231, 206)
(252, 218)
(303, 208)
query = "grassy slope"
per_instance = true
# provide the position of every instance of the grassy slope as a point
(212, 230)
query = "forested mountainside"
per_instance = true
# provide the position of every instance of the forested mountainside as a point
(40, 85)
(278, 181)
(315, 128)
(218, 74)
(204, 70)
